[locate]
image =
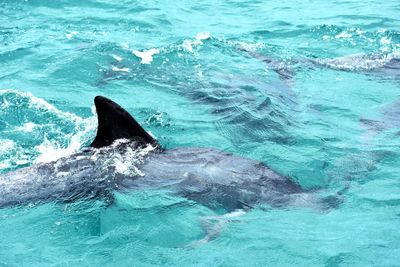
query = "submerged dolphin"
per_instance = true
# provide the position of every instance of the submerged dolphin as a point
(384, 65)
(123, 156)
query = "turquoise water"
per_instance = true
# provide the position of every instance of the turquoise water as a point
(193, 74)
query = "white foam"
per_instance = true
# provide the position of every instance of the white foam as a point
(123, 158)
(203, 36)
(343, 35)
(6, 145)
(200, 37)
(27, 127)
(71, 34)
(117, 58)
(11, 154)
(5, 104)
(252, 47)
(187, 44)
(22, 162)
(359, 31)
(120, 69)
(357, 62)
(235, 214)
(51, 151)
(385, 41)
(146, 55)
(4, 165)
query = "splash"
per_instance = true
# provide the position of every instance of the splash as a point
(146, 55)
(200, 37)
(359, 62)
(343, 35)
(121, 157)
(27, 127)
(35, 131)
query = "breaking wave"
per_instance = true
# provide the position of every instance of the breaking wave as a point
(33, 130)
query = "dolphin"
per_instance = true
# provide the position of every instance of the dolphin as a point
(389, 119)
(124, 157)
(385, 65)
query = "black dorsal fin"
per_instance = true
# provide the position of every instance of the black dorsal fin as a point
(116, 123)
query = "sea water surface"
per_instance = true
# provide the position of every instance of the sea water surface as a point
(311, 88)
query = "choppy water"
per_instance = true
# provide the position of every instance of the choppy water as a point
(194, 75)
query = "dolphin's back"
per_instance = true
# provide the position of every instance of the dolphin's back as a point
(24, 185)
(216, 178)
(65, 179)
(208, 176)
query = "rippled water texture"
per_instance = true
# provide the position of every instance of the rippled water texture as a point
(311, 88)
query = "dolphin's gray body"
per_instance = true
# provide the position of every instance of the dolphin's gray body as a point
(389, 119)
(211, 177)
(385, 65)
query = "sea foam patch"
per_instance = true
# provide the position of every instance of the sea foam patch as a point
(146, 55)
(114, 68)
(117, 58)
(200, 37)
